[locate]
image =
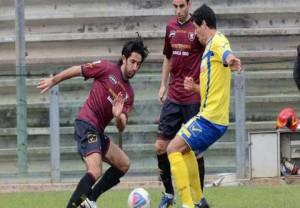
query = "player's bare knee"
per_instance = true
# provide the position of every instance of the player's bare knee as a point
(95, 171)
(159, 149)
(160, 146)
(171, 148)
(93, 164)
(125, 165)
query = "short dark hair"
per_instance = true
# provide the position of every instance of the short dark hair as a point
(207, 14)
(136, 45)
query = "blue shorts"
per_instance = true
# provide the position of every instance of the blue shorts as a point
(200, 133)
(89, 139)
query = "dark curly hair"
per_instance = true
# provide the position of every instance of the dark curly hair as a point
(136, 45)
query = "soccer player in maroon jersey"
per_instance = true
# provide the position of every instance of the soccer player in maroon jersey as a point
(181, 66)
(111, 96)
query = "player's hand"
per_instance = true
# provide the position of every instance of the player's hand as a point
(188, 84)
(234, 63)
(118, 105)
(45, 84)
(161, 94)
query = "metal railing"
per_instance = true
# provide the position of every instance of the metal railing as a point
(240, 134)
(240, 123)
(239, 89)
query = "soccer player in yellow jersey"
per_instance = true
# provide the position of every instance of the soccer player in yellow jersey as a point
(213, 118)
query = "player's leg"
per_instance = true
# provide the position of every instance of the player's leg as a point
(119, 162)
(92, 166)
(196, 190)
(89, 148)
(168, 197)
(199, 134)
(184, 164)
(191, 162)
(86, 182)
(201, 166)
(169, 124)
(189, 111)
(163, 164)
(180, 171)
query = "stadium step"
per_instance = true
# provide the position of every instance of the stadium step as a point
(62, 33)
(140, 4)
(281, 60)
(109, 44)
(146, 86)
(146, 111)
(134, 134)
(138, 142)
(260, 33)
(99, 18)
(231, 33)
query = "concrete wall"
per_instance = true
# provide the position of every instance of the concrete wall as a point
(61, 33)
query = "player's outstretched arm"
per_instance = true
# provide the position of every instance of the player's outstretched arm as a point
(47, 83)
(234, 63)
(121, 118)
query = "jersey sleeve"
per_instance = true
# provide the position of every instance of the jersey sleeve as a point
(223, 50)
(167, 51)
(94, 70)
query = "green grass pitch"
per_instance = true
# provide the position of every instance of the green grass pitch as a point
(286, 196)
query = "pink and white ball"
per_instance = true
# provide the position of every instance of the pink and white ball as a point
(139, 198)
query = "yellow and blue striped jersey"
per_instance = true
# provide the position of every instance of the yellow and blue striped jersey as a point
(215, 80)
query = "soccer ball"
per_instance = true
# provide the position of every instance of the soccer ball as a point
(139, 198)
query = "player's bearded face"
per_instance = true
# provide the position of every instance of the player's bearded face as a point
(132, 65)
(181, 9)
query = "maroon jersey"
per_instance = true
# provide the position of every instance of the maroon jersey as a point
(185, 51)
(108, 82)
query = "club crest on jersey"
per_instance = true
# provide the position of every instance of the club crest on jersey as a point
(92, 137)
(191, 36)
(113, 79)
(172, 33)
(126, 97)
(91, 65)
(97, 62)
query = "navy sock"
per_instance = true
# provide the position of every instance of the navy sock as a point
(110, 178)
(165, 172)
(201, 170)
(82, 190)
